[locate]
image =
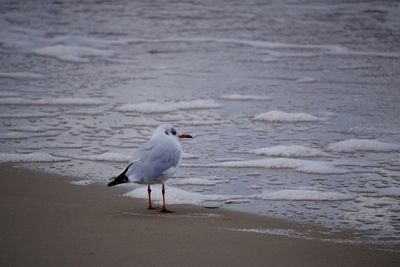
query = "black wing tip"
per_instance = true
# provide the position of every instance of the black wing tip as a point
(112, 183)
(118, 180)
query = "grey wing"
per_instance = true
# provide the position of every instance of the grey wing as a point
(143, 152)
(153, 160)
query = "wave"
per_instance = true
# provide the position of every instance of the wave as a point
(156, 107)
(280, 116)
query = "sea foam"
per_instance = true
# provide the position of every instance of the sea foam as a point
(175, 195)
(239, 97)
(179, 196)
(193, 181)
(155, 107)
(108, 156)
(27, 115)
(305, 166)
(280, 116)
(354, 145)
(63, 101)
(288, 151)
(190, 156)
(117, 157)
(306, 80)
(71, 53)
(82, 182)
(31, 157)
(26, 135)
(201, 122)
(304, 195)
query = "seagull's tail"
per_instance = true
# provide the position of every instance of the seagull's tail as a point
(120, 179)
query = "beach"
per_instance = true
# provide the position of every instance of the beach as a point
(47, 221)
(293, 105)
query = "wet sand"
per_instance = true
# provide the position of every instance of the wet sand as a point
(47, 221)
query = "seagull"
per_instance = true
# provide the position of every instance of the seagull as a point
(155, 161)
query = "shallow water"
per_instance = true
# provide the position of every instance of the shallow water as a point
(293, 105)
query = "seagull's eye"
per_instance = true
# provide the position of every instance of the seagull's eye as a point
(166, 132)
(173, 131)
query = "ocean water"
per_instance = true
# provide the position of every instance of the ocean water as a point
(294, 105)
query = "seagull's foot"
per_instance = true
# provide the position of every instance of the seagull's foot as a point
(151, 208)
(165, 210)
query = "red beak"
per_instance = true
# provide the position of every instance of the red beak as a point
(185, 136)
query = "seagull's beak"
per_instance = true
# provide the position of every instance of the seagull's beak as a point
(185, 136)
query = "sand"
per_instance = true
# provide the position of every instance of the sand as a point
(47, 221)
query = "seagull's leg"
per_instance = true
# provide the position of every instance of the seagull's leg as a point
(149, 193)
(163, 209)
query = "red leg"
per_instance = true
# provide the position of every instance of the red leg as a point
(149, 193)
(163, 209)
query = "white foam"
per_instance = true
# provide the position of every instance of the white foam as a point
(190, 156)
(365, 53)
(193, 181)
(171, 117)
(269, 231)
(306, 80)
(305, 236)
(87, 41)
(253, 43)
(89, 112)
(245, 97)
(321, 49)
(354, 145)
(305, 166)
(179, 196)
(304, 195)
(27, 115)
(23, 135)
(288, 151)
(82, 182)
(280, 116)
(56, 145)
(201, 122)
(355, 67)
(21, 75)
(108, 156)
(31, 157)
(155, 107)
(228, 159)
(139, 121)
(175, 195)
(71, 53)
(67, 101)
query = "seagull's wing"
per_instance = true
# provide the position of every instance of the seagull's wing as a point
(154, 159)
(143, 152)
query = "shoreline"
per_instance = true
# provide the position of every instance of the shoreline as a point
(47, 220)
(303, 230)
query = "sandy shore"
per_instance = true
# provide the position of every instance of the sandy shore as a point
(46, 221)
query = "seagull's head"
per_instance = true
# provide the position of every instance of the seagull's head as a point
(170, 132)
